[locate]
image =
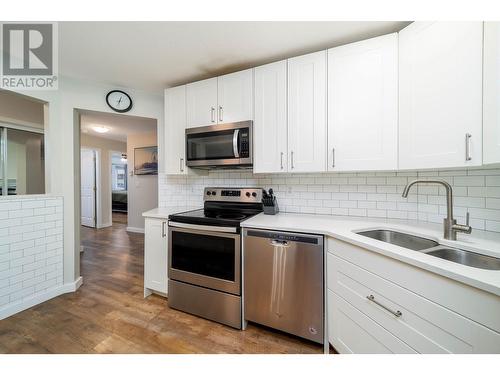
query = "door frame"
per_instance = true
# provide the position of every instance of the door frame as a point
(97, 190)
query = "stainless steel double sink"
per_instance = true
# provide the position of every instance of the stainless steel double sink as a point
(431, 247)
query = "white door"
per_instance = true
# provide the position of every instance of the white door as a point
(235, 97)
(491, 96)
(307, 113)
(175, 125)
(270, 125)
(155, 255)
(440, 95)
(201, 103)
(88, 188)
(363, 105)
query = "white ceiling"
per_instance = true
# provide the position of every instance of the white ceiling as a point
(119, 125)
(155, 55)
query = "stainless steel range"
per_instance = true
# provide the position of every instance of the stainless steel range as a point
(205, 254)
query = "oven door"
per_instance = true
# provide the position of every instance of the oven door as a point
(205, 258)
(219, 145)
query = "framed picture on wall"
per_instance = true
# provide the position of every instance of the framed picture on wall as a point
(146, 160)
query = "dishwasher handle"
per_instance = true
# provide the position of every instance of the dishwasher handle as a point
(279, 243)
(286, 237)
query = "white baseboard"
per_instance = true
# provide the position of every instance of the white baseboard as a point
(18, 306)
(135, 230)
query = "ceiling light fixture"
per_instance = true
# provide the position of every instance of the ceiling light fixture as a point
(100, 129)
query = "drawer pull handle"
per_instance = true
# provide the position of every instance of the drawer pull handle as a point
(397, 313)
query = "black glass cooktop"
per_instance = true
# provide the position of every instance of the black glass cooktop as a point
(213, 217)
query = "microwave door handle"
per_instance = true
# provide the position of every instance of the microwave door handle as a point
(235, 143)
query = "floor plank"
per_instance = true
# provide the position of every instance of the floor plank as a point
(108, 314)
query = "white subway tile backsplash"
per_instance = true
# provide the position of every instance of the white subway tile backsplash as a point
(372, 194)
(31, 247)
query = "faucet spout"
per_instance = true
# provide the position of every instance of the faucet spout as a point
(450, 224)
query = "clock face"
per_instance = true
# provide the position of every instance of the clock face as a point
(119, 101)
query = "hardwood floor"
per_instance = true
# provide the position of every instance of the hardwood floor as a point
(108, 314)
(119, 217)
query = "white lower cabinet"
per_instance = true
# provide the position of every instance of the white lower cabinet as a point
(351, 331)
(369, 314)
(155, 256)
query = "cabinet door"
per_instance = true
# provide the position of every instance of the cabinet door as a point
(175, 125)
(363, 105)
(491, 95)
(235, 97)
(352, 332)
(155, 255)
(201, 103)
(440, 95)
(307, 113)
(270, 125)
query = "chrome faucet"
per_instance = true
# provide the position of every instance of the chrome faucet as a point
(450, 225)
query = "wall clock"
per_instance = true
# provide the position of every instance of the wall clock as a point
(119, 101)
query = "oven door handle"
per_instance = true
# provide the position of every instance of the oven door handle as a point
(207, 228)
(235, 143)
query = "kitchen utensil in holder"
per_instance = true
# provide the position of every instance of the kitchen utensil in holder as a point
(269, 202)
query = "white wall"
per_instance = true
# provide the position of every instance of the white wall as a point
(17, 109)
(63, 148)
(142, 189)
(104, 146)
(374, 194)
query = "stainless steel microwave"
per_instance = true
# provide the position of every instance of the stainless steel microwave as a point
(223, 145)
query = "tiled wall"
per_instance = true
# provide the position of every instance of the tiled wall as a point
(31, 247)
(371, 194)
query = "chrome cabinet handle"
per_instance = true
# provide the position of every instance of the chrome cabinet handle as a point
(467, 147)
(220, 113)
(212, 114)
(163, 231)
(333, 157)
(397, 313)
(291, 160)
(181, 163)
(281, 159)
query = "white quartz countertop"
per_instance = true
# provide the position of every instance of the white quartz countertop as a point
(163, 212)
(345, 228)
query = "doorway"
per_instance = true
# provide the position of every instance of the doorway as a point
(112, 194)
(88, 178)
(119, 189)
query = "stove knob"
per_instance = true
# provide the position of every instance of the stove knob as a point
(247, 194)
(209, 193)
(254, 194)
(214, 193)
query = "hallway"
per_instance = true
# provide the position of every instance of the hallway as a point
(108, 314)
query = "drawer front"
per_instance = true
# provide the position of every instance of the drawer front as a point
(453, 295)
(424, 325)
(351, 331)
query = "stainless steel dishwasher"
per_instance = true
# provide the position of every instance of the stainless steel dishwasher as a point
(283, 281)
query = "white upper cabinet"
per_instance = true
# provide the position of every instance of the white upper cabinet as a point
(201, 103)
(307, 113)
(491, 96)
(219, 100)
(235, 97)
(270, 125)
(440, 95)
(175, 125)
(363, 105)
